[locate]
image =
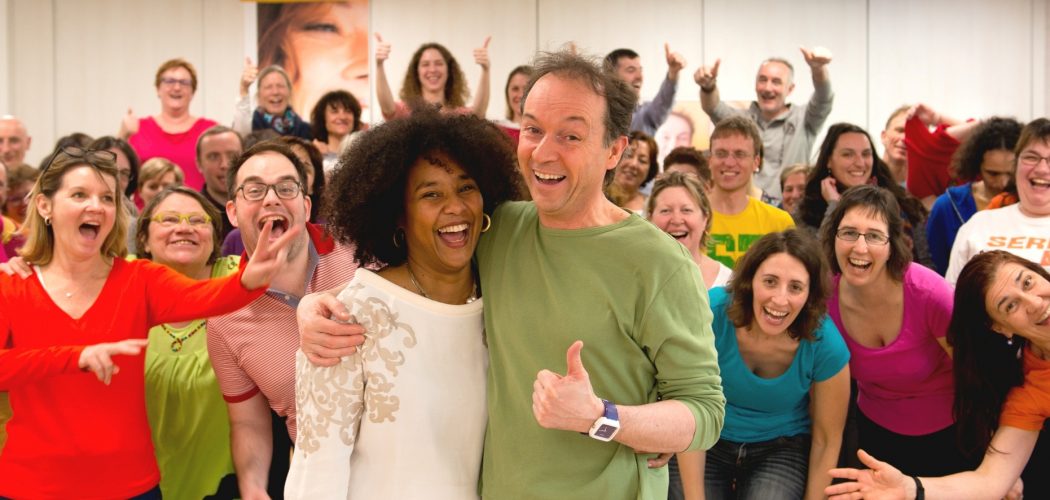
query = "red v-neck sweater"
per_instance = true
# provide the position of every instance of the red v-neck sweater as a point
(72, 436)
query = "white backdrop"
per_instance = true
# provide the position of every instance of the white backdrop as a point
(77, 65)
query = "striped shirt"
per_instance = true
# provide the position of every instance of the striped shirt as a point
(253, 350)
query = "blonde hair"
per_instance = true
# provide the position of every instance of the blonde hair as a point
(158, 167)
(40, 237)
(692, 184)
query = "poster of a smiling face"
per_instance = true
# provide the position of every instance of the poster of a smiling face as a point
(322, 46)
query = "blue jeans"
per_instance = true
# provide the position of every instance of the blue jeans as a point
(768, 470)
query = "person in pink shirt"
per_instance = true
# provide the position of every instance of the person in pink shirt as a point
(893, 315)
(173, 133)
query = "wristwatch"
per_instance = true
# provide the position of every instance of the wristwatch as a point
(606, 427)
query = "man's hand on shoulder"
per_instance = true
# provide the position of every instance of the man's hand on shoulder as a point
(326, 330)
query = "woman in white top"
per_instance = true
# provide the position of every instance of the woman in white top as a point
(680, 208)
(405, 416)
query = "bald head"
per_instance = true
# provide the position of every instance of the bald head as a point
(14, 140)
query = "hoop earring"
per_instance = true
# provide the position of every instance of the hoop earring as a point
(397, 244)
(47, 221)
(486, 222)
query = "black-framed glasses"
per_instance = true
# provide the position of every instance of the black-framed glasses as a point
(90, 156)
(285, 190)
(871, 238)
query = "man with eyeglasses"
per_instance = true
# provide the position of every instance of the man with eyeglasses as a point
(253, 350)
(14, 140)
(737, 219)
(1023, 228)
(217, 148)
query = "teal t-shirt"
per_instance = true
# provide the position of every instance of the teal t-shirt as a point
(760, 409)
(636, 299)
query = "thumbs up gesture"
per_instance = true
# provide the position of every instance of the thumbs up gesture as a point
(481, 54)
(566, 402)
(248, 75)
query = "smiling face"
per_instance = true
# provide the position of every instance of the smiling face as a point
(1018, 302)
(181, 245)
(1033, 180)
(633, 167)
(150, 188)
(629, 69)
(772, 87)
(175, 90)
(339, 121)
(268, 168)
(274, 93)
(515, 91)
(852, 160)
(561, 152)
(82, 211)
(733, 161)
(781, 288)
(793, 190)
(862, 263)
(893, 139)
(677, 213)
(13, 141)
(432, 72)
(328, 49)
(443, 215)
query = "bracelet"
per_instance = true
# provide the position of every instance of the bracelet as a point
(920, 492)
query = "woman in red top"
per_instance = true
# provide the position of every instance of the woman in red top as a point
(73, 332)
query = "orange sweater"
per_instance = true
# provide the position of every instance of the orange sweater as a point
(72, 436)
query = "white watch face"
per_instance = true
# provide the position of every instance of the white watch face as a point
(604, 429)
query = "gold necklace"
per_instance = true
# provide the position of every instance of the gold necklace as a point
(177, 340)
(412, 276)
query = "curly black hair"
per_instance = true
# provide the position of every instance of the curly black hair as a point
(365, 196)
(994, 133)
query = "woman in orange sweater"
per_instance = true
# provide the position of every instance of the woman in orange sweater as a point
(73, 333)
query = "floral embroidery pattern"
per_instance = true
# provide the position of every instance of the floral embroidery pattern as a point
(334, 399)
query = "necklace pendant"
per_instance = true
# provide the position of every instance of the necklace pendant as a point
(176, 345)
(69, 295)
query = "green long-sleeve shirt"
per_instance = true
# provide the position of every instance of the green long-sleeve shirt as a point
(637, 300)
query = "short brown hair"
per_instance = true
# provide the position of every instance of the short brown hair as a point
(902, 109)
(40, 238)
(176, 63)
(215, 130)
(258, 149)
(800, 245)
(142, 234)
(877, 202)
(688, 155)
(692, 185)
(740, 125)
(619, 98)
(158, 167)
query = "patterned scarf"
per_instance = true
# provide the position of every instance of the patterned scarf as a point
(285, 123)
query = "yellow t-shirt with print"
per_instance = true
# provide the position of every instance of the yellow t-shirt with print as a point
(732, 235)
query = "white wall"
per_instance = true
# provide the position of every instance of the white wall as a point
(77, 65)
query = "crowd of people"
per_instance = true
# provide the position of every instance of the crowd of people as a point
(441, 306)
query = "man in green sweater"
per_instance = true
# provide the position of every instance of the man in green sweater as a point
(572, 269)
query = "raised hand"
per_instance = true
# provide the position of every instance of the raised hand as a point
(382, 50)
(829, 190)
(881, 482)
(269, 257)
(566, 402)
(675, 62)
(248, 75)
(326, 332)
(481, 54)
(98, 358)
(816, 58)
(925, 114)
(707, 76)
(129, 125)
